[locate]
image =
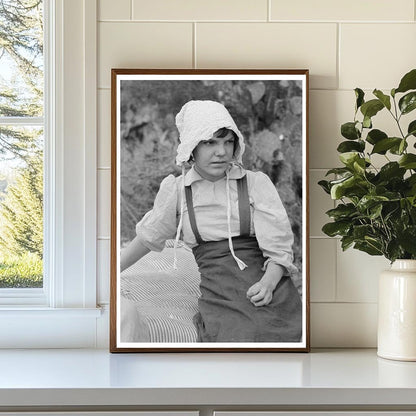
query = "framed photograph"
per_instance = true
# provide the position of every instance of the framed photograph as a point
(209, 211)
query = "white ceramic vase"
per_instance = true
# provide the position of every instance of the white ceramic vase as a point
(397, 312)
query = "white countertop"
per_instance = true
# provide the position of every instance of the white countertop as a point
(96, 377)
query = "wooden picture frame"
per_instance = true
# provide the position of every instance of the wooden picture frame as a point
(153, 306)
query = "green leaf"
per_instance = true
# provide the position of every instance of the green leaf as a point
(412, 201)
(338, 189)
(408, 102)
(359, 165)
(349, 131)
(385, 99)
(383, 145)
(333, 229)
(374, 136)
(351, 187)
(369, 201)
(408, 161)
(359, 95)
(407, 240)
(325, 186)
(354, 161)
(393, 92)
(359, 232)
(408, 82)
(367, 122)
(391, 170)
(342, 211)
(375, 212)
(369, 248)
(393, 250)
(350, 146)
(411, 130)
(411, 182)
(391, 212)
(338, 171)
(346, 242)
(348, 158)
(371, 108)
(398, 149)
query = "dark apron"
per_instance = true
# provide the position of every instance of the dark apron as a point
(225, 314)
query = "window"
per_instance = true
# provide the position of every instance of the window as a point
(22, 128)
(63, 313)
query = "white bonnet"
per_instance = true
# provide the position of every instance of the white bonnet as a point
(198, 121)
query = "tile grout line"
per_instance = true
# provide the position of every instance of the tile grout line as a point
(336, 271)
(355, 302)
(194, 62)
(308, 22)
(269, 11)
(323, 237)
(338, 63)
(131, 9)
(338, 242)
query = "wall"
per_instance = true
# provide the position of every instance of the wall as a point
(345, 44)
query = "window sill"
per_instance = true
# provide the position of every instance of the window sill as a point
(35, 311)
(40, 327)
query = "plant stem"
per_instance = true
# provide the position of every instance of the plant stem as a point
(397, 118)
(388, 234)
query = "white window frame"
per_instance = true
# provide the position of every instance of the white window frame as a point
(64, 313)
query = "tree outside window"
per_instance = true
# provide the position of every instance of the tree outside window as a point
(21, 143)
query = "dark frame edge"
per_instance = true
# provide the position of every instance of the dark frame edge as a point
(113, 245)
(113, 236)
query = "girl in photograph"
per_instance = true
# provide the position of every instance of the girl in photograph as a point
(237, 227)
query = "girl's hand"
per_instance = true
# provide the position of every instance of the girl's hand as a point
(261, 293)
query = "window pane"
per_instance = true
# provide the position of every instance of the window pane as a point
(21, 58)
(21, 147)
(21, 207)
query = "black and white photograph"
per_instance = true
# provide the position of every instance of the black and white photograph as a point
(209, 214)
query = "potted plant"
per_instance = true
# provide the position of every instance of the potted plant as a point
(376, 206)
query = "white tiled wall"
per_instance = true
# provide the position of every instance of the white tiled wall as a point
(345, 44)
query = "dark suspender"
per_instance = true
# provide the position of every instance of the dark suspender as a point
(243, 209)
(191, 214)
(243, 206)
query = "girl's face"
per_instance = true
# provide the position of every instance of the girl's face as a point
(213, 156)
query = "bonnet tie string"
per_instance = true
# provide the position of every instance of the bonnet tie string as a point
(179, 229)
(239, 262)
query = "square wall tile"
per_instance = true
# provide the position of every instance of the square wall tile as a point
(343, 325)
(323, 269)
(342, 10)
(388, 54)
(103, 271)
(104, 203)
(104, 129)
(319, 203)
(200, 10)
(327, 111)
(357, 275)
(114, 10)
(142, 45)
(270, 45)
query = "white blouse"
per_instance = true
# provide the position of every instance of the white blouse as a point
(269, 221)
